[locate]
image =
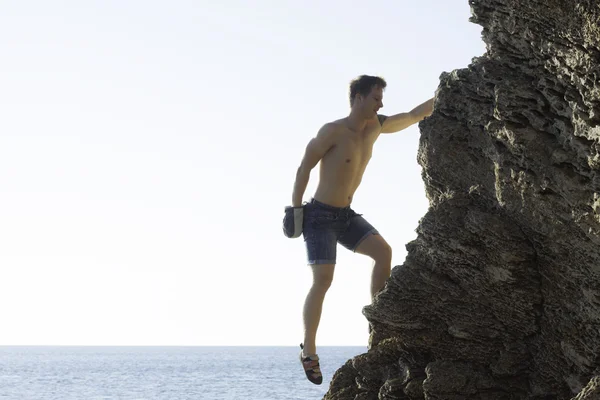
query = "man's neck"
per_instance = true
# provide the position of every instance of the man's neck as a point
(356, 122)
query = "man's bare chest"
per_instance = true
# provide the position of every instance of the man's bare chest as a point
(353, 151)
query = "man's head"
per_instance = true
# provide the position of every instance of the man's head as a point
(366, 94)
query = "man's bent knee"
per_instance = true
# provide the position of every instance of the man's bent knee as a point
(377, 248)
(384, 255)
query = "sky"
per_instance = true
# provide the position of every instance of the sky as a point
(148, 149)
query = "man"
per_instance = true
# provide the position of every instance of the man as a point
(344, 149)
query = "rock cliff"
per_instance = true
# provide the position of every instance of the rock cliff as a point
(499, 296)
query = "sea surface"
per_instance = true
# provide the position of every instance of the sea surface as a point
(170, 373)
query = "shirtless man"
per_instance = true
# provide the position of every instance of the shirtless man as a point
(344, 149)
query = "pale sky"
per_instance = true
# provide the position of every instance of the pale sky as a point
(148, 149)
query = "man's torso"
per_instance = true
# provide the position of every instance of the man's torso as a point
(343, 166)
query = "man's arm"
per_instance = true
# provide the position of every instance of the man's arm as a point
(315, 150)
(401, 121)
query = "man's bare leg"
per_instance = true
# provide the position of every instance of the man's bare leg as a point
(380, 251)
(322, 277)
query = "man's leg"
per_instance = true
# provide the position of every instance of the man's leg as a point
(380, 251)
(322, 277)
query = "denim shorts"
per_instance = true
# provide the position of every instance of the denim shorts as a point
(325, 226)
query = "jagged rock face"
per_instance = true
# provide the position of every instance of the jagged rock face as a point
(499, 296)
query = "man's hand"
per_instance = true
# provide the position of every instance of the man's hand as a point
(423, 110)
(402, 121)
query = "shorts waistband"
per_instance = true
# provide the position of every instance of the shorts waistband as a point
(327, 206)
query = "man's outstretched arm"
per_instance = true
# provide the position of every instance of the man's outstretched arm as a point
(401, 121)
(315, 150)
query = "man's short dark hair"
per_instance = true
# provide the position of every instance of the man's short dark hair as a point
(363, 85)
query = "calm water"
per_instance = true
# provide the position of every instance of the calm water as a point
(136, 373)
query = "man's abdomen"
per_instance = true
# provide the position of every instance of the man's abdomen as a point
(336, 189)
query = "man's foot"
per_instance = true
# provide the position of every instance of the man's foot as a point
(311, 366)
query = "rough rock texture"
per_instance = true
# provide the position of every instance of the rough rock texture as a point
(499, 296)
(591, 391)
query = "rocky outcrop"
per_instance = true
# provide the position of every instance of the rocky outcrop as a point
(499, 296)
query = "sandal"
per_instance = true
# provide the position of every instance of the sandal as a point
(311, 367)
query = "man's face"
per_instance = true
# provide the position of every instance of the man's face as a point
(373, 102)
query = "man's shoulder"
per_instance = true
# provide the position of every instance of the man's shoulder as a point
(332, 128)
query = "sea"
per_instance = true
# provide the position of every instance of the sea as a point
(165, 373)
